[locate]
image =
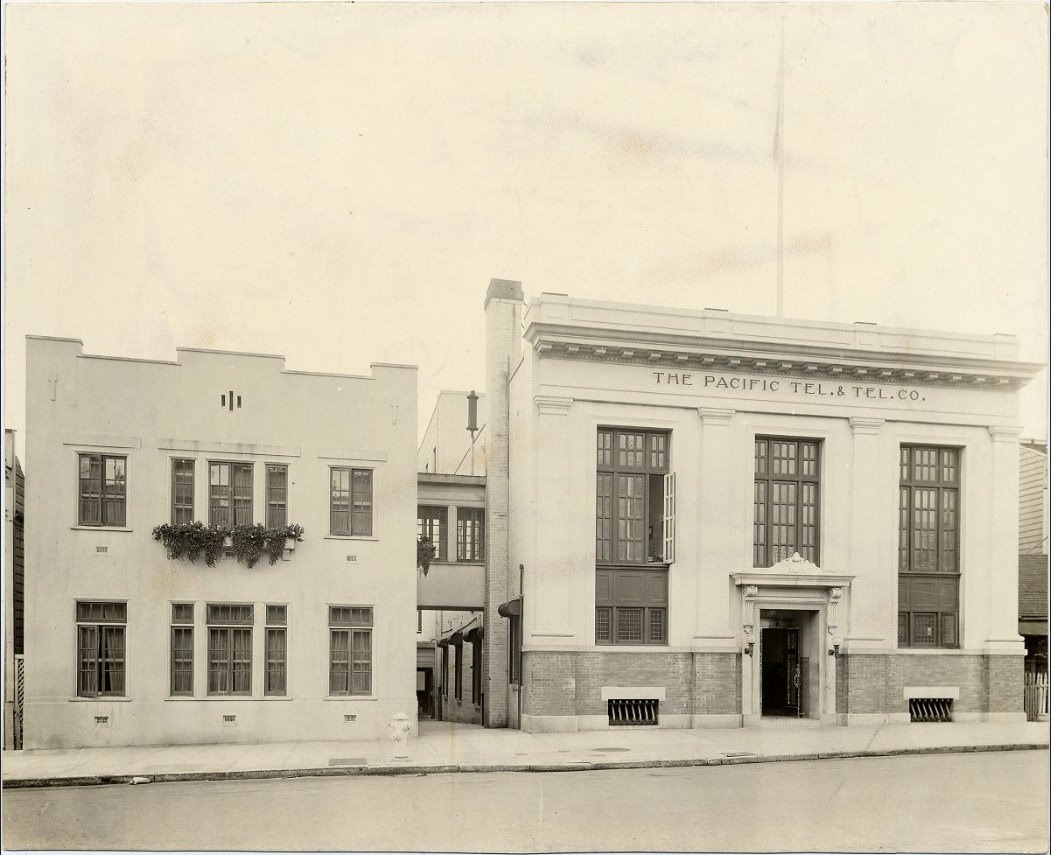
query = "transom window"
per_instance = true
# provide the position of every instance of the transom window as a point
(350, 650)
(350, 501)
(230, 649)
(785, 499)
(230, 494)
(928, 546)
(102, 490)
(100, 649)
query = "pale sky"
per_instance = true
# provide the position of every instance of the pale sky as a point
(338, 183)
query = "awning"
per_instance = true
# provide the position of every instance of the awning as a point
(456, 638)
(475, 635)
(512, 608)
(444, 642)
(1032, 627)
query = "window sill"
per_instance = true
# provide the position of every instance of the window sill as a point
(350, 537)
(104, 699)
(100, 528)
(350, 698)
(183, 698)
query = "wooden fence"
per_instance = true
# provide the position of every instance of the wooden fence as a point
(1036, 690)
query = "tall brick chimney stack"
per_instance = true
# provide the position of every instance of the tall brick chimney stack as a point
(503, 341)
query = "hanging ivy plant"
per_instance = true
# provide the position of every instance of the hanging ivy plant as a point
(191, 541)
(425, 552)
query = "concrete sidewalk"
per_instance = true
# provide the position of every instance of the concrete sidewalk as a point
(446, 747)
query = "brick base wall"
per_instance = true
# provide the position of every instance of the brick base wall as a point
(875, 683)
(568, 684)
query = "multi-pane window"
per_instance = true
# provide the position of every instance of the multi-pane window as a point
(350, 501)
(100, 649)
(928, 546)
(350, 650)
(275, 678)
(276, 495)
(632, 474)
(103, 490)
(785, 499)
(230, 649)
(230, 494)
(432, 522)
(631, 606)
(182, 649)
(182, 491)
(470, 534)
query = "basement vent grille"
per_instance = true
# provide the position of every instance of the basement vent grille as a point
(930, 709)
(102, 720)
(633, 711)
(350, 717)
(229, 719)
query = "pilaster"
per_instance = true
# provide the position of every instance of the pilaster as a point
(715, 546)
(875, 583)
(1001, 582)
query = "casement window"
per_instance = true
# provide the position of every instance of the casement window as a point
(103, 490)
(785, 499)
(350, 501)
(631, 605)
(432, 523)
(928, 546)
(182, 491)
(182, 650)
(350, 650)
(276, 495)
(470, 534)
(230, 649)
(275, 678)
(634, 519)
(230, 494)
(100, 649)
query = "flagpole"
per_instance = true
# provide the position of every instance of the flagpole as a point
(781, 179)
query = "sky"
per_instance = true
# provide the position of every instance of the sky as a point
(338, 183)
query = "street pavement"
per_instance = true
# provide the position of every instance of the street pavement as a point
(973, 802)
(446, 747)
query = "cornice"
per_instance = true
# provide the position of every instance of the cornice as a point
(690, 353)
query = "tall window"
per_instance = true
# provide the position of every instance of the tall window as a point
(470, 534)
(100, 649)
(182, 491)
(787, 482)
(350, 501)
(350, 650)
(182, 649)
(276, 496)
(634, 527)
(928, 547)
(230, 494)
(103, 490)
(275, 679)
(230, 649)
(432, 522)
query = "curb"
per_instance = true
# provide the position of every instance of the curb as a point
(476, 768)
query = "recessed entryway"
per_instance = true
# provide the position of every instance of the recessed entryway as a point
(787, 668)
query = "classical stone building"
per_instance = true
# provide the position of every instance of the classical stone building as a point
(126, 646)
(698, 518)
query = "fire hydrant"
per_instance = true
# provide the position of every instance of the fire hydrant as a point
(400, 727)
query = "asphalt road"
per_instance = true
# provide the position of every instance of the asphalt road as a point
(987, 802)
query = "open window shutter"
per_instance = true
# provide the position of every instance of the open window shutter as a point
(669, 518)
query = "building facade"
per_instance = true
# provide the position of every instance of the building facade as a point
(712, 518)
(127, 646)
(14, 593)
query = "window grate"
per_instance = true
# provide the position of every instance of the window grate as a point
(631, 711)
(930, 709)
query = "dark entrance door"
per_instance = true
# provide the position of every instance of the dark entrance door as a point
(781, 676)
(425, 692)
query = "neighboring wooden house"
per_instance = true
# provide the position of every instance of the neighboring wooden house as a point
(1032, 549)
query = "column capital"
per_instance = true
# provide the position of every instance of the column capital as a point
(715, 415)
(865, 425)
(1005, 433)
(552, 406)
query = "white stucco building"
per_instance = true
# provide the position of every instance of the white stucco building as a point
(125, 646)
(714, 517)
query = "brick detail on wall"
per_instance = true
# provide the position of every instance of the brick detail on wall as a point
(875, 683)
(561, 684)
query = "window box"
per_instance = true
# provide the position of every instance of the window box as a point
(248, 543)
